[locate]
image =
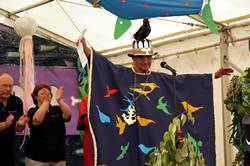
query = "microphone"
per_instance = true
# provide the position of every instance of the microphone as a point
(166, 66)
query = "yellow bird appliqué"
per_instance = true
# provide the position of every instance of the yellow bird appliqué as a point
(189, 108)
(142, 90)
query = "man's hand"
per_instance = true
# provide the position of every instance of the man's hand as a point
(21, 123)
(9, 120)
(86, 49)
(223, 71)
(23, 120)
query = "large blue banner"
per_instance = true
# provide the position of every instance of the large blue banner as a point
(130, 112)
(135, 9)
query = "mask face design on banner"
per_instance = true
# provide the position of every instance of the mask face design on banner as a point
(130, 116)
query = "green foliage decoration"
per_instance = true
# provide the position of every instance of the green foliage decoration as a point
(175, 150)
(237, 103)
(82, 79)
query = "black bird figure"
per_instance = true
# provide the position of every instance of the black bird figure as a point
(143, 32)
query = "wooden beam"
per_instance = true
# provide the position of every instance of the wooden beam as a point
(30, 7)
(237, 19)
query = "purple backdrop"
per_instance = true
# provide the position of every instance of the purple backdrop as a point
(56, 76)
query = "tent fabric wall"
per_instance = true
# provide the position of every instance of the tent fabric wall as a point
(205, 61)
(183, 53)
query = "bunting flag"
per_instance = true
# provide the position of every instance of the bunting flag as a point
(207, 17)
(121, 26)
(130, 112)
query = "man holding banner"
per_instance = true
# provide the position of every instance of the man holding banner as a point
(130, 108)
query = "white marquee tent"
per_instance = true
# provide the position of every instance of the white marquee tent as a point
(52, 16)
(188, 49)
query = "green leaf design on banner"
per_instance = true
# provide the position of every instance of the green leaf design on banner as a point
(178, 149)
(208, 18)
(121, 26)
(183, 119)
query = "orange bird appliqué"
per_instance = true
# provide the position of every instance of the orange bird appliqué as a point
(110, 91)
(144, 121)
(120, 125)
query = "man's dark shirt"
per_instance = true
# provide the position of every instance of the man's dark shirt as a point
(7, 136)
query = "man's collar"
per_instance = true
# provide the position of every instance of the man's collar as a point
(147, 73)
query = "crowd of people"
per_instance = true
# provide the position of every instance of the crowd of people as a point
(46, 144)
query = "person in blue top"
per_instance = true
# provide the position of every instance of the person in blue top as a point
(46, 145)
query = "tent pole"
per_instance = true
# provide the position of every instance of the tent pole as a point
(226, 117)
(233, 65)
(182, 53)
(30, 7)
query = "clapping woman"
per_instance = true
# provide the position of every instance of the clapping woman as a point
(46, 145)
